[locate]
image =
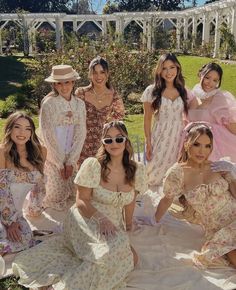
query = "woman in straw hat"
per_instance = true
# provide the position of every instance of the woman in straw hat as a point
(62, 123)
(102, 103)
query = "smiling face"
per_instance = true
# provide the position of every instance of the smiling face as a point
(98, 76)
(199, 151)
(64, 89)
(169, 71)
(114, 149)
(21, 131)
(210, 81)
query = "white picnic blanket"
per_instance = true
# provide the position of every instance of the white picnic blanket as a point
(164, 251)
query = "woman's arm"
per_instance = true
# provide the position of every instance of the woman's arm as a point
(148, 112)
(83, 201)
(162, 207)
(231, 127)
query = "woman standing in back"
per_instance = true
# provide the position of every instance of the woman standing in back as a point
(103, 104)
(167, 100)
(62, 123)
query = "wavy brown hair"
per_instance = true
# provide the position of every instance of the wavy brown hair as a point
(33, 147)
(104, 157)
(160, 85)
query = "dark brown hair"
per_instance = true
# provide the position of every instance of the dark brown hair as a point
(104, 157)
(211, 66)
(160, 85)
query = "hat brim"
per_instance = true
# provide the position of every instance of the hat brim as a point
(51, 79)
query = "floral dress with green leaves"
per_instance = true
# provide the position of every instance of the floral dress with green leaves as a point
(80, 259)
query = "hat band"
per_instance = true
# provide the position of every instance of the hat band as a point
(64, 76)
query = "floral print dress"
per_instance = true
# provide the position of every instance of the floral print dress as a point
(95, 120)
(215, 209)
(62, 126)
(80, 259)
(166, 135)
(14, 187)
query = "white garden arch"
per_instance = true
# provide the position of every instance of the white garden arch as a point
(185, 22)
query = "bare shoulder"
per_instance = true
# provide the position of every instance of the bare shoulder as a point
(2, 157)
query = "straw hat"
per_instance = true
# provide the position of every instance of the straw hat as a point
(62, 73)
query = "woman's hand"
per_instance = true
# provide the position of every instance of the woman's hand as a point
(224, 166)
(146, 220)
(14, 232)
(148, 151)
(106, 227)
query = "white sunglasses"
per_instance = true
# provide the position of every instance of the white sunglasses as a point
(119, 140)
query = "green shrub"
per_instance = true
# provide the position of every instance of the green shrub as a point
(8, 106)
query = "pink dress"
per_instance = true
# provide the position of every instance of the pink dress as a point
(220, 112)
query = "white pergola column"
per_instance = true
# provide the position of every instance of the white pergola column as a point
(1, 52)
(206, 29)
(25, 29)
(185, 28)
(194, 30)
(59, 33)
(178, 28)
(233, 22)
(75, 25)
(104, 27)
(144, 38)
(149, 34)
(120, 26)
(217, 35)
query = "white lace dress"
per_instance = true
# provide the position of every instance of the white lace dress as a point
(62, 126)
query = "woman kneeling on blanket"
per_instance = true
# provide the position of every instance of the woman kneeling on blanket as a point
(209, 189)
(93, 251)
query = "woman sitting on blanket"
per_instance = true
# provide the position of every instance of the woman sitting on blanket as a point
(209, 188)
(21, 172)
(94, 250)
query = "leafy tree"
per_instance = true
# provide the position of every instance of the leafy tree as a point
(11, 6)
(142, 5)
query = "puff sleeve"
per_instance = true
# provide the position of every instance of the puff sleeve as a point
(173, 182)
(223, 108)
(118, 109)
(141, 179)
(147, 94)
(89, 174)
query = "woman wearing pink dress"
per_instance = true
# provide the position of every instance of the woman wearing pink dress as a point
(218, 108)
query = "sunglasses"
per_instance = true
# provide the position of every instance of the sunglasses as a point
(118, 140)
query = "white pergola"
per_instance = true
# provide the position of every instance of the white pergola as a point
(185, 22)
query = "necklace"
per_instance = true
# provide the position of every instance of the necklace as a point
(98, 98)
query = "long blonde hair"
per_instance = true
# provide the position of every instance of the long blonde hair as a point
(104, 157)
(33, 147)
